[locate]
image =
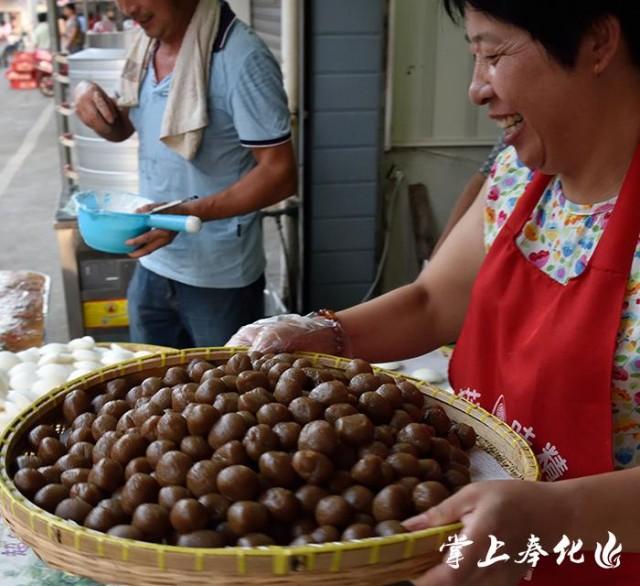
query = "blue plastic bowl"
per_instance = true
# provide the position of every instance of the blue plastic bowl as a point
(107, 221)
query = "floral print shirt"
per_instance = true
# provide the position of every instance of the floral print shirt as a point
(559, 239)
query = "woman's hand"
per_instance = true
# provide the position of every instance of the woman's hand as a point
(286, 333)
(512, 511)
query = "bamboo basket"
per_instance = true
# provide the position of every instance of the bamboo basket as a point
(107, 559)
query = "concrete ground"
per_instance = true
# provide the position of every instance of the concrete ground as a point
(30, 186)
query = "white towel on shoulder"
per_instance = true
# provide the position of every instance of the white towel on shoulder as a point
(186, 115)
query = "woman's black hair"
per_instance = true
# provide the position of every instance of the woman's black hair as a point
(559, 25)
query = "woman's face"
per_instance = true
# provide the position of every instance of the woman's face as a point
(538, 103)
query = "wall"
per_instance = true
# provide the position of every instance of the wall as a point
(431, 66)
(444, 171)
(242, 8)
(345, 42)
(266, 20)
(438, 137)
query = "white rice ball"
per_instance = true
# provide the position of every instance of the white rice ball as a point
(53, 348)
(18, 400)
(23, 381)
(30, 355)
(77, 374)
(23, 368)
(4, 420)
(4, 382)
(86, 343)
(62, 358)
(30, 393)
(8, 360)
(10, 411)
(115, 356)
(42, 387)
(87, 366)
(429, 375)
(86, 356)
(54, 374)
(389, 365)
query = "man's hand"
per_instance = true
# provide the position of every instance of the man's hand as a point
(101, 113)
(157, 238)
(147, 208)
(150, 241)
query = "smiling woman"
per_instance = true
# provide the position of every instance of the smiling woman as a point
(521, 45)
(558, 26)
(539, 285)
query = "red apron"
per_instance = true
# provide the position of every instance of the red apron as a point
(539, 354)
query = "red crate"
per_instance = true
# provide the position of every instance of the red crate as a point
(23, 66)
(15, 76)
(23, 85)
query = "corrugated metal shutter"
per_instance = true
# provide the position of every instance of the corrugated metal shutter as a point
(266, 20)
(343, 149)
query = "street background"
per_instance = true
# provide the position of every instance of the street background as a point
(30, 188)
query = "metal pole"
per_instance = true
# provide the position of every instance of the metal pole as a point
(391, 57)
(291, 69)
(85, 6)
(33, 14)
(303, 211)
(52, 18)
(62, 122)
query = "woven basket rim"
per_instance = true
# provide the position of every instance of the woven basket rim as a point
(13, 502)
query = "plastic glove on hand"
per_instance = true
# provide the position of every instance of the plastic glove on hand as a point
(288, 333)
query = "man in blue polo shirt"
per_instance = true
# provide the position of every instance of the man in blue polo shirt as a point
(196, 290)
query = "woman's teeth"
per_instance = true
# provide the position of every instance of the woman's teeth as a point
(509, 122)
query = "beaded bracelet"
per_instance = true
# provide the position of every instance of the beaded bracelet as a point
(340, 336)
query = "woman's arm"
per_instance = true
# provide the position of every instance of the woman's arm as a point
(604, 502)
(428, 313)
(406, 322)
